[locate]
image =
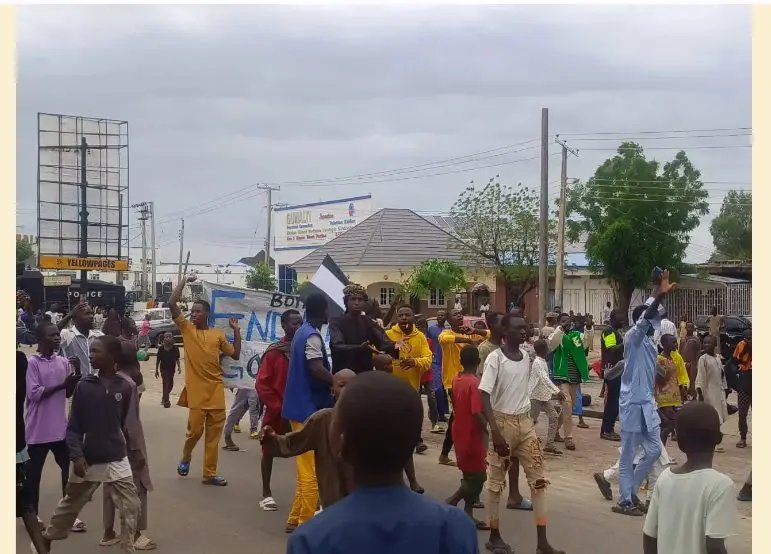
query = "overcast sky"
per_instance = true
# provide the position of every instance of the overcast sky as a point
(219, 98)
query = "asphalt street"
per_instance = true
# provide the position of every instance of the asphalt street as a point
(186, 516)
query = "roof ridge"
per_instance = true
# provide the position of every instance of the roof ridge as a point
(372, 234)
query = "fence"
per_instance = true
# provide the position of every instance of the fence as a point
(734, 299)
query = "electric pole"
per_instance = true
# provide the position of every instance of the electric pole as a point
(560, 274)
(543, 258)
(270, 189)
(181, 246)
(153, 292)
(143, 217)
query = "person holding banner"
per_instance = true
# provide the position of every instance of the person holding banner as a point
(204, 392)
(270, 386)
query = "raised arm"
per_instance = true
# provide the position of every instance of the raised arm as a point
(555, 339)
(176, 294)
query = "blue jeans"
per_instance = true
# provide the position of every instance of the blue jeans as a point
(631, 477)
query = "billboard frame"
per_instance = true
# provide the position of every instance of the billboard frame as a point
(72, 184)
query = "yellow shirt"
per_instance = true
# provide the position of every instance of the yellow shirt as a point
(450, 356)
(414, 346)
(668, 394)
(203, 374)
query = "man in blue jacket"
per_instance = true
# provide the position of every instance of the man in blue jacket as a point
(308, 389)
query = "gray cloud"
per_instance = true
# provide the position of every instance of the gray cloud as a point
(218, 98)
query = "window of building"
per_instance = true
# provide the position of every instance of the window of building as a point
(436, 299)
(287, 279)
(387, 295)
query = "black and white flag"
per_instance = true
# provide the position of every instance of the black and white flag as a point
(330, 281)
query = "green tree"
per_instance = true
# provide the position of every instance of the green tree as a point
(500, 227)
(635, 215)
(443, 275)
(23, 250)
(260, 276)
(732, 229)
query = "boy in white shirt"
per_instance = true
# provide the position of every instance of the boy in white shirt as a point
(506, 401)
(693, 509)
(542, 391)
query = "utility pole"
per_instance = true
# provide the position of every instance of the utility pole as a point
(143, 217)
(560, 274)
(181, 245)
(83, 215)
(270, 189)
(543, 258)
(153, 292)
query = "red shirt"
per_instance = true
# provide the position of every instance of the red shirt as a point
(468, 436)
(427, 376)
(271, 382)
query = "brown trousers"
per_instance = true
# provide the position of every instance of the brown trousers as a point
(124, 496)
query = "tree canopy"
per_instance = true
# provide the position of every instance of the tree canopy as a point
(444, 275)
(634, 215)
(23, 250)
(500, 225)
(732, 229)
(260, 276)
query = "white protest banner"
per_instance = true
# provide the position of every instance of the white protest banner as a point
(259, 316)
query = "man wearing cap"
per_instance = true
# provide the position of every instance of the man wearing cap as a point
(353, 336)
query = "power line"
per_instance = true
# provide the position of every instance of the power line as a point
(449, 161)
(702, 247)
(659, 181)
(666, 189)
(721, 146)
(717, 129)
(633, 199)
(671, 137)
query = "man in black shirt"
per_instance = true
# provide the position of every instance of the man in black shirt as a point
(612, 352)
(166, 361)
(353, 335)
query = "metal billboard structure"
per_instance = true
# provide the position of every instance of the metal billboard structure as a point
(83, 194)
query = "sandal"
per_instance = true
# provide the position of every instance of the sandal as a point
(420, 448)
(481, 525)
(627, 510)
(505, 549)
(604, 486)
(231, 448)
(447, 461)
(79, 526)
(582, 425)
(183, 469)
(525, 505)
(268, 504)
(552, 450)
(215, 481)
(109, 542)
(143, 543)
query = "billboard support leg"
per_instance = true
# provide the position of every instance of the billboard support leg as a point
(83, 215)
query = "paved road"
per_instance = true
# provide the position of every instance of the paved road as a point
(186, 516)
